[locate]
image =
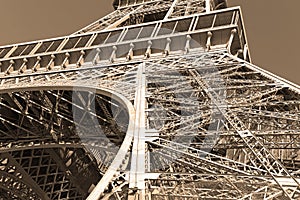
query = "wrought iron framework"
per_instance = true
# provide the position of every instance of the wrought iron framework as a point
(157, 100)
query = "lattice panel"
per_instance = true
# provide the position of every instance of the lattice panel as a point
(153, 101)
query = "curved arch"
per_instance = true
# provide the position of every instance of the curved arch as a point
(126, 144)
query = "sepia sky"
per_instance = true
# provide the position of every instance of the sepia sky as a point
(272, 26)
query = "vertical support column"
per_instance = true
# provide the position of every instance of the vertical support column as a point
(113, 55)
(148, 51)
(130, 52)
(207, 5)
(187, 44)
(167, 48)
(137, 172)
(233, 32)
(245, 52)
(208, 42)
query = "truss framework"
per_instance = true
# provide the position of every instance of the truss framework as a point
(139, 107)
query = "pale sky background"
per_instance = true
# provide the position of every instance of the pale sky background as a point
(272, 26)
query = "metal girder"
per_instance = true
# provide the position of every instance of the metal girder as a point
(266, 159)
(211, 186)
(138, 169)
(101, 46)
(170, 104)
(177, 151)
(153, 101)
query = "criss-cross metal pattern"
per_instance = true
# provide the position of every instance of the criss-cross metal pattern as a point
(157, 100)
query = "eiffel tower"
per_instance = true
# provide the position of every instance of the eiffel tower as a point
(157, 100)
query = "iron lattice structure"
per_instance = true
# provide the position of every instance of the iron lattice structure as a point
(157, 100)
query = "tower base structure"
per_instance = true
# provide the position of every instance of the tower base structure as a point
(157, 100)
